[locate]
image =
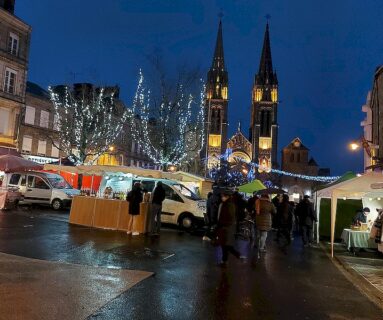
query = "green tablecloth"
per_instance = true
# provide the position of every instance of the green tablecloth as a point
(358, 239)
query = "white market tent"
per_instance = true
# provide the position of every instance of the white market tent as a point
(368, 187)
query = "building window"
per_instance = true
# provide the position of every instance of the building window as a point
(215, 140)
(56, 123)
(133, 147)
(274, 95)
(42, 148)
(292, 157)
(13, 44)
(298, 157)
(29, 115)
(55, 151)
(27, 144)
(10, 81)
(44, 119)
(132, 162)
(4, 121)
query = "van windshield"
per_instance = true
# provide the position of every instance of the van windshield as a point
(186, 192)
(59, 182)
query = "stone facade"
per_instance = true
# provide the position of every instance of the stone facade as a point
(240, 147)
(216, 107)
(373, 124)
(14, 51)
(38, 137)
(264, 116)
(295, 159)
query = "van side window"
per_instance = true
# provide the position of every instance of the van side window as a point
(40, 183)
(171, 194)
(147, 185)
(15, 179)
(23, 182)
(30, 182)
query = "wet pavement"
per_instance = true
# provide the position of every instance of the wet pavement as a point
(297, 284)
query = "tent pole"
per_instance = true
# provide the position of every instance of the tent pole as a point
(334, 202)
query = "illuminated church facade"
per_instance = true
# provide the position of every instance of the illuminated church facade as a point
(262, 144)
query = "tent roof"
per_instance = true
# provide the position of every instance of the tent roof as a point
(346, 176)
(356, 188)
(251, 187)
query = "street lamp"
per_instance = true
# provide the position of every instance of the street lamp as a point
(354, 146)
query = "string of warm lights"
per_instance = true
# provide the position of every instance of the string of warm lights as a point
(251, 173)
(171, 132)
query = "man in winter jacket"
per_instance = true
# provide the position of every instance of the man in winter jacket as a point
(158, 197)
(307, 217)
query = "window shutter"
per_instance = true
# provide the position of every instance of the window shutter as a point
(42, 148)
(30, 115)
(27, 144)
(55, 150)
(4, 119)
(44, 119)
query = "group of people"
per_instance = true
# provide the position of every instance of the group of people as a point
(228, 214)
(136, 196)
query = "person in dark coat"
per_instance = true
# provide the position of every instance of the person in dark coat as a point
(226, 227)
(134, 197)
(285, 219)
(307, 217)
(158, 197)
(240, 206)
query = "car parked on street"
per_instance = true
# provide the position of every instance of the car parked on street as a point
(42, 188)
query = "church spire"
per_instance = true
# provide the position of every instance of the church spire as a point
(266, 75)
(218, 59)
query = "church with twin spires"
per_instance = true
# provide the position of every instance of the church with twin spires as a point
(261, 146)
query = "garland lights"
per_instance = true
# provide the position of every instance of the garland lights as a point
(86, 122)
(171, 132)
(254, 166)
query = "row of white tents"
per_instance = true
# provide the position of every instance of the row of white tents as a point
(367, 187)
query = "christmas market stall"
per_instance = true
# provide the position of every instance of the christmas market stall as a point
(368, 188)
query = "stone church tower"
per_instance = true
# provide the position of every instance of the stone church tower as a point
(264, 120)
(216, 104)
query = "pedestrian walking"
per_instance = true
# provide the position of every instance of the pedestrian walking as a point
(285, 220)
(212, 205)
(158, 197)
(305, 212)
(226, 227)
(134, 197)
(264, 216)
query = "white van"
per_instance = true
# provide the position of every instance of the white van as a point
(181, 206)
(42, 188)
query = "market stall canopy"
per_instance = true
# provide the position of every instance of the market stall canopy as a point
(252, 187)
(346, 176)
(10, 163)
(8, 150)
(371, 183)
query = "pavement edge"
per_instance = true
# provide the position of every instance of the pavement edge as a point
(367, 289)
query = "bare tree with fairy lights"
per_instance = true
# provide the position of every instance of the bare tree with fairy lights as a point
(167, 119)
(88, 118)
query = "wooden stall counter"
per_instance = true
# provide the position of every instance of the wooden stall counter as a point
(106, 214)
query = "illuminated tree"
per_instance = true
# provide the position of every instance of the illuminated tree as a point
(88, 119)
(167, 120)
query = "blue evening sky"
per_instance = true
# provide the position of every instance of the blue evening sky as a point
(325, 53)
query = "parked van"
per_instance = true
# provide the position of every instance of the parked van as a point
(181, 206)
(42, 188)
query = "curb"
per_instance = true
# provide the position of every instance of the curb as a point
(365, 287)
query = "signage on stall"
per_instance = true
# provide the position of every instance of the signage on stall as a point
(378, 185)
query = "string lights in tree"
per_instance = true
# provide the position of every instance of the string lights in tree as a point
(169, 129)
(87, 119)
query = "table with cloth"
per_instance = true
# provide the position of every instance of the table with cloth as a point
(358, 239)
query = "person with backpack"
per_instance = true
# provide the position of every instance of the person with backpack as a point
(134, 197)
(307, 217)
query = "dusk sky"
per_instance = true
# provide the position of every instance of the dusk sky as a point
(325, 53)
